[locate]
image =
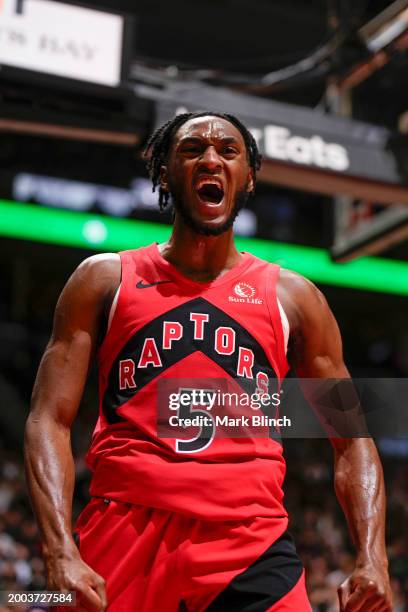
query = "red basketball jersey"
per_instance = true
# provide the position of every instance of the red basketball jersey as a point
(170, 330)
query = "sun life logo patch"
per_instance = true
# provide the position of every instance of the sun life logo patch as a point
(244, 290)
(244, 293)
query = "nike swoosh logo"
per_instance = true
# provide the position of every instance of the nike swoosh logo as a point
(142, 285)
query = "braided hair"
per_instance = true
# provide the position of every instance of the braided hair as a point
(160, 142)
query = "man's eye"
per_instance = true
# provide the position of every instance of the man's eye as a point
(192, 149)
(230, 151)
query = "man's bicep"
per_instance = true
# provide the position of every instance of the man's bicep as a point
(317, 348)
(81, 303)
(323, 376)
(64, 367)
(61, 378)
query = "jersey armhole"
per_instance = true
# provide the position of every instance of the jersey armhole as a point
(117, 299)
(285, 325)
(276, 318)
(113, 305)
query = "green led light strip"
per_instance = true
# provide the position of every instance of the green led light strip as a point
(84, 230)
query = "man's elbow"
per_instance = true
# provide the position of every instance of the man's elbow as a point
(42, 425)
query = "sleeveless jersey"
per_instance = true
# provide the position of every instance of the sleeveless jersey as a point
(170, 332)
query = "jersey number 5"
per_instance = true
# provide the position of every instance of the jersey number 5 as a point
(206, 428)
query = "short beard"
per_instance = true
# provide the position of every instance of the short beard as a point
(203, 229)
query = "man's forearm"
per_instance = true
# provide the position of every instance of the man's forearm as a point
(50, 476)
(359, 485)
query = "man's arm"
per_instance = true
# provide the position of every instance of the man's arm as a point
(316, 352)
(58, 389)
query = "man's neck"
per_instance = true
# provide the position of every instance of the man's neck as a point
(201, 258)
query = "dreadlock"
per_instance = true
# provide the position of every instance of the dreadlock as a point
(160, 142)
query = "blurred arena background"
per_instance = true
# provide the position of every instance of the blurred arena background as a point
(324, 87)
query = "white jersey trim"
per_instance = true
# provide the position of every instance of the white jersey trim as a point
(285, 325)
(113, 307)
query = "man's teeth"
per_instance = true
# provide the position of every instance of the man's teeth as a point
(211, 192)
(205, 182)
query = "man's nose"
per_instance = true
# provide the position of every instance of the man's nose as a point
(210, 159)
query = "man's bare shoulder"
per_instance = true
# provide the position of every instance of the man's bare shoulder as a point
(103, 263)
(100, 271)
(95, 280)
(295, 283)
(316, 346)
(299, 297)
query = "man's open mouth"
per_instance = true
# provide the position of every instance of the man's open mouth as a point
(211, 193)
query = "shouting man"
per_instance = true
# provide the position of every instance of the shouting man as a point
(201, 526)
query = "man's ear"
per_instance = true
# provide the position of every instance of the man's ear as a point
(164, 178)
(250, 183)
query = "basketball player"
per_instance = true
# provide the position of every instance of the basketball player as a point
(201, 527)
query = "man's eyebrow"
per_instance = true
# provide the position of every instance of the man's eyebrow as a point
(190, 139)
(230, 140)
(198, 139)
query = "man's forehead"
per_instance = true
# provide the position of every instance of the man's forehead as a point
(209, 126)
